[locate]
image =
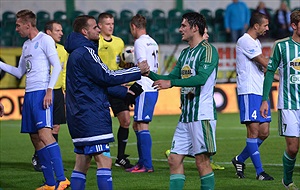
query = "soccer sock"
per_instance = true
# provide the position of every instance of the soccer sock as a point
(208, 181)
(104, 179)
(244, 155)
(122, 141)
(78, 180)
(176, 181)
(45, 162)
(55, 136)
(252, 148)
(288, 168)
(146, 147)
(56, 160)
(138, 143)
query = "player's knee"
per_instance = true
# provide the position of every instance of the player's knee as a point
(293, 151)
(125, 123)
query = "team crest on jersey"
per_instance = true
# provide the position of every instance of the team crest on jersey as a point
(187, 71)
(28, 66)
(295, 64)
(36, 45)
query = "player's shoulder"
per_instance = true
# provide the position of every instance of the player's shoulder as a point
(283, 41)
(208, 46)
(117, 39)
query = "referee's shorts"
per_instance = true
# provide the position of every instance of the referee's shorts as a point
(59, 111)
(118, 105)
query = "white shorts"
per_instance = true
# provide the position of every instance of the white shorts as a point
(289, 123)
(195, 138)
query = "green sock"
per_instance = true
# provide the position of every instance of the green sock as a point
(208, 181)
(288, 168)
(176, 181)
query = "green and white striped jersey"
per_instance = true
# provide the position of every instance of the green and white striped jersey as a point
(286, 57)
(197, 71)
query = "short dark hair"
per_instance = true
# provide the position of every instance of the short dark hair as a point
(104, 15)
(257, 18)
(49, 25)
(195, 19)
(81, 22)
(27, 16)
(295, 17)
(139, 21)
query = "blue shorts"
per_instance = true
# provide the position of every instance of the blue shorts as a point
(93, 149)
(144, 106)
(34, 116)
(249, 105)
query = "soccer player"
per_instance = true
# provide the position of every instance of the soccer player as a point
(88, 114)
(286, 57)
(195, 72)
(213, 164)
(110, 49)
(38, 55)
(54, 29)
(145, 49)
(250, 66)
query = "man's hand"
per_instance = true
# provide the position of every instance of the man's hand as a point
(48, 99)
(1, 110)
(161, 84)
(264, 109)
(145, 69)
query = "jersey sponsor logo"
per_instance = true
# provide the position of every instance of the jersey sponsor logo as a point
(251, 51)
(295, 79)
(187, 72)
(295, 64)
(28, 66)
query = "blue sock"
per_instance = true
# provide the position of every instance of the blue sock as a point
(47, 170)
(56, 160)
(104, 179)
(146, 147)
(244, 155)
(138, 143)
(78, 180)
(254, 154)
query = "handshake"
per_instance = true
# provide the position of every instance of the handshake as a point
(145, 69)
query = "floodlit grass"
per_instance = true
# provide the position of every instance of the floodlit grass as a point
(16, 171)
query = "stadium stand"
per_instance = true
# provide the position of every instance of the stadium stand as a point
(42, 18)
(94, 13)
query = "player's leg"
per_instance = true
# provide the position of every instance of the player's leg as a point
(44, 127)
(44, 160)
(181, 146)
(78, 176)
(121, 110)
(177, 177)
(204, 145)
(206, 173)
(122, 136)
(263, 132)
(104, 177)
(289, 126)
(143, 113)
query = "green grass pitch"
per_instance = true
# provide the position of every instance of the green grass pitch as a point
(16, 171)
